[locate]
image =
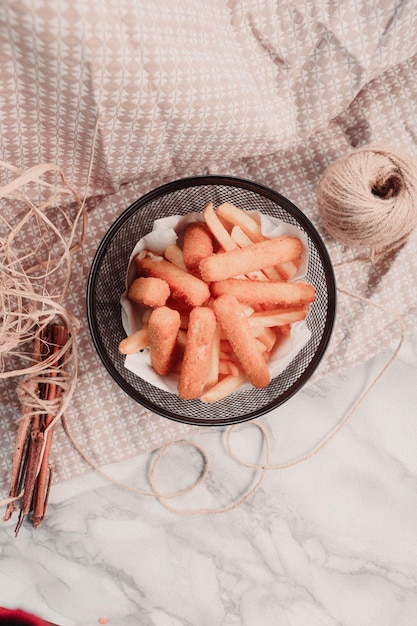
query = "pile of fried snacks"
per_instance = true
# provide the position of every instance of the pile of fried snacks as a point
(216, 307)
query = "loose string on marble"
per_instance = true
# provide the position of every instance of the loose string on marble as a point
(155, 492)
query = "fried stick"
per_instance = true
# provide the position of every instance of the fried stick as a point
(237, 330)
(254, 257)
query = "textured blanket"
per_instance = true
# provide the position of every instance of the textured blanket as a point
(265, 90)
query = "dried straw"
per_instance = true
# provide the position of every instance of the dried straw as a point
(42, 226)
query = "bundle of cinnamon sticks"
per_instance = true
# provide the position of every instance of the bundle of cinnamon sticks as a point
(31, 473)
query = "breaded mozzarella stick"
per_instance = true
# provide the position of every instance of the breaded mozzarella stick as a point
(149, 291)
(239, 334)
(254, 257)
(253, 292)
(184, 286)
(163, 327)
(197, 353)
(198, 244)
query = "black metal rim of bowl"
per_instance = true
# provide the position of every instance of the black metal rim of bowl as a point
(210, 180)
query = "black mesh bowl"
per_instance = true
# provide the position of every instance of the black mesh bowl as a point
(107, 279)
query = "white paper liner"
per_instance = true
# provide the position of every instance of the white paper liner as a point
(167, 231)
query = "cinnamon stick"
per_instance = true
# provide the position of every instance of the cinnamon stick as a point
(33, 458)
(21, 442)
(31, 474)
(59, 339)
(35, 445)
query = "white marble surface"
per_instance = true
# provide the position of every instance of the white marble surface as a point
(330, 541)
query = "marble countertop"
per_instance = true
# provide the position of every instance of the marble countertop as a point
(328, 541)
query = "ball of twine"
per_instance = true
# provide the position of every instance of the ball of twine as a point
(368, 198)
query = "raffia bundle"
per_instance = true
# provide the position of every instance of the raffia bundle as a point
(42, 225)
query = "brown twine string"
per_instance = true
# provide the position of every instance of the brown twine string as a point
(163, 497)
(154, 464)
(368, 198)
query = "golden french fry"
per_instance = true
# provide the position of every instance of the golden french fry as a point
(289, 269)
(227, 367)
(273, 273)
(213, 369)
(174, 254)
(217, 229)
(266, 335)
(134, 342)
(228, 226)
(260, 345)
(247, 309)
(239, 237)
(278, 317)
(266, 355)
(238, 217)
(223, 388)
(258, 275)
